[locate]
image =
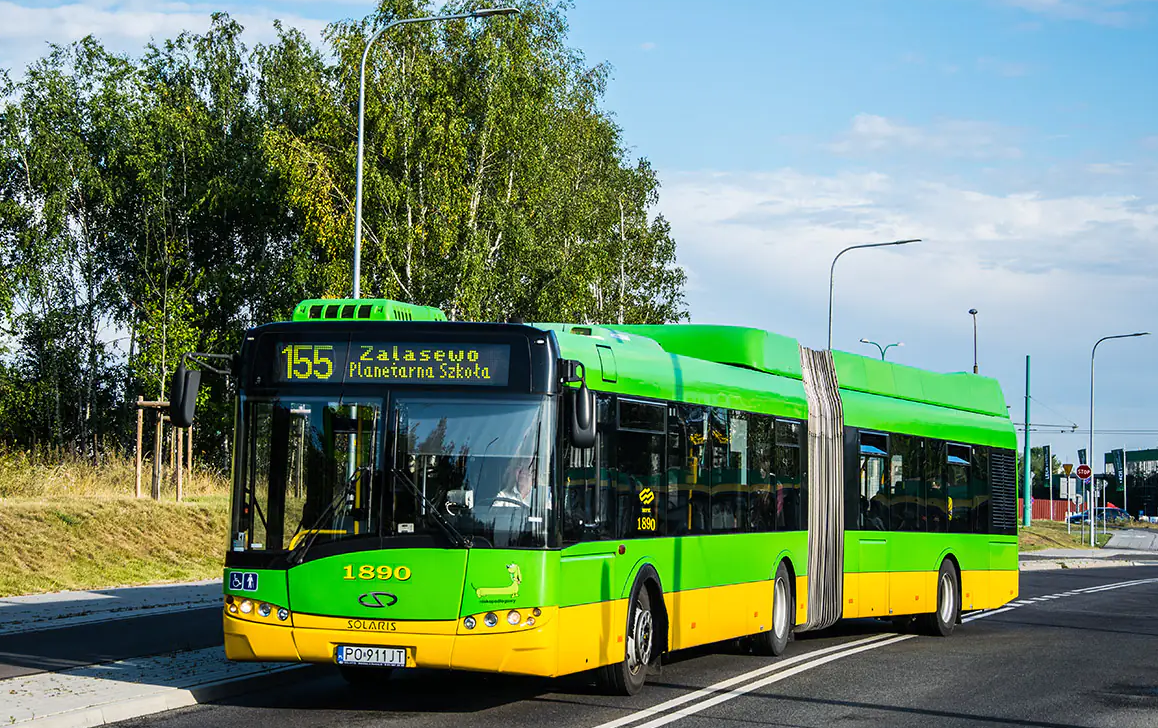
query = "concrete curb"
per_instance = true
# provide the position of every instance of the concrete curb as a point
(1050, 564)
(165, 699)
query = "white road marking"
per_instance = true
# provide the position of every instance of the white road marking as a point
(775, 678)
(735, 687)
(725, 684)
(986, 613)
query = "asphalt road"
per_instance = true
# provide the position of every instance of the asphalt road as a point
(1060, 657)
(118, 639)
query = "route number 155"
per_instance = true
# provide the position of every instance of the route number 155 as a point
(305, 361)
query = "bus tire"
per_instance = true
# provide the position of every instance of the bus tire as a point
(363, 676)
(628, 676)
(941, 622)
(775, 640)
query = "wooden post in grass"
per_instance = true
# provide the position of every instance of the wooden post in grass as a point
(140, 435)
(158, 442)
(179, 461)
(158, 454)
(189, 450)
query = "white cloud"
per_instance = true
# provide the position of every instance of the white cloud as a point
(1046, 271)
(870, 134)
(648, 46)
(1102, 12)
(125, 25)
(1009, 69)
(1110, 168)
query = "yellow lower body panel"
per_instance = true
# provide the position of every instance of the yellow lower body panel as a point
(529, 651)
(882, 594)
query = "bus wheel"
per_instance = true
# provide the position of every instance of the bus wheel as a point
(627, 677)
(775, 640)
(941, 622)
(361, 676)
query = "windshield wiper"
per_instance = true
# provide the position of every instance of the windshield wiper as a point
(447, 528)
(312, 532)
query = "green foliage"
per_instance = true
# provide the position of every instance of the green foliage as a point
(163, 204)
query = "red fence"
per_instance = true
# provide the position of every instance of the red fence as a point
(1046, 510)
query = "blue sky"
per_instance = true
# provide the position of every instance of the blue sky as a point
(1019, 138)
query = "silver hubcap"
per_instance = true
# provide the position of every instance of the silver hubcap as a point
(947, 599)
(780, 609)
(639, 640)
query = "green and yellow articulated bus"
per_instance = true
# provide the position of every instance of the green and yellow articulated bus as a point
(546, 499)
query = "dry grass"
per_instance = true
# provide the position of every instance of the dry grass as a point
(86, 543)
(68, 524)
(1053, 535)
(49, 475)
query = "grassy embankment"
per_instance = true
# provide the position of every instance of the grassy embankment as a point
(1053, 535)
(66, 524)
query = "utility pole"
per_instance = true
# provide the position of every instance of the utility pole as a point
(1027, 472)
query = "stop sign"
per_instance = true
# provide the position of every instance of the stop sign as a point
(1085, 471)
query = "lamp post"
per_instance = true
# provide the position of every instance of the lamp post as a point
(1093, 352)
(484, 13)
(882, 349)
(973, 313)
(832, 272)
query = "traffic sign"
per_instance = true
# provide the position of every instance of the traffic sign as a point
(1085, 471)
(1068, 468)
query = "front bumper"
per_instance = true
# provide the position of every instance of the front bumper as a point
(441, 644)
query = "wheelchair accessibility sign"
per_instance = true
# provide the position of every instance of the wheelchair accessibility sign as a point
(243, 581)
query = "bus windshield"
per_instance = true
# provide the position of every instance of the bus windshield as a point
(471, 471)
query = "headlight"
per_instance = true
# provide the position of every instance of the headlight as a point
(283, 614)
(469, 622)
(491, 619)
(537, 612)
(246, 606)
(513, 617)
(530, 621)
(264, 609)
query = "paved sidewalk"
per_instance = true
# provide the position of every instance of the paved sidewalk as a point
(99, 694)
(37, 612)
(1085, 558)
(1135, 540)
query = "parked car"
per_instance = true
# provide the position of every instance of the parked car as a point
(1111, 515)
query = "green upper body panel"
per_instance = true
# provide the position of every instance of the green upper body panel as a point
(737, 345)
(969, 392)
(633, 364)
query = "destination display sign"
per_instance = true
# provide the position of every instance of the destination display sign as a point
(340, 362)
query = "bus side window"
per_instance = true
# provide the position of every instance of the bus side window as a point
(641, 490)
(688, 500)
(875, 498)
(761, 490)
(936, 494)
(588, 499)
(729, 492)
(979, 487)
(959, 506)
(788, 465)
(908, 506)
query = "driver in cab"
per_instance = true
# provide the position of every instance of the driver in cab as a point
(520, 482)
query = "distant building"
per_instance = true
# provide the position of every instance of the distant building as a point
(1141, 481)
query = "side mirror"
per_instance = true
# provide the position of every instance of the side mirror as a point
(581, 406)
(183, 395)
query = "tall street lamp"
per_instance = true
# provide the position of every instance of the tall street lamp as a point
(832, 272)
(1093, 352)
(973, 313)
(882, 349)
(484, 13)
